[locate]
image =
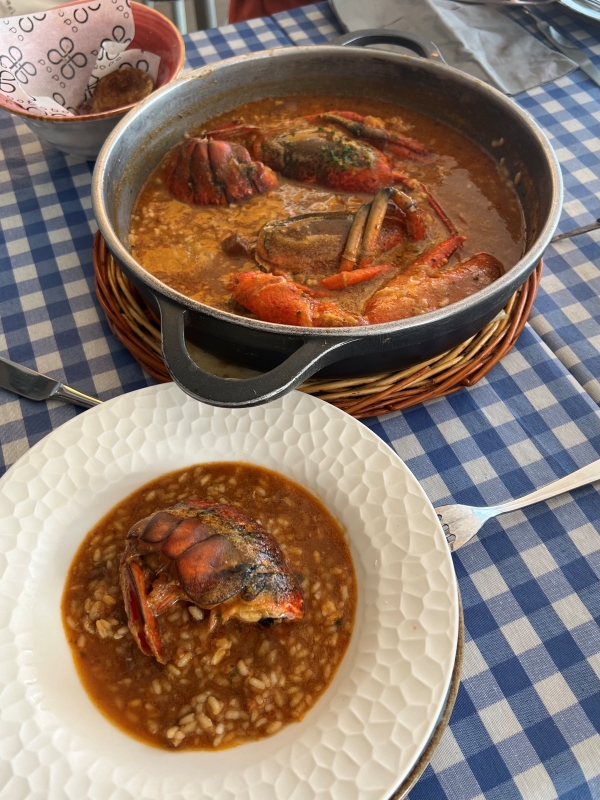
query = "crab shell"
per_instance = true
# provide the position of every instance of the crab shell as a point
(311, 153)
(312, 244)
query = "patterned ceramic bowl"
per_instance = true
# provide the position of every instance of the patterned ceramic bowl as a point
(83, 136)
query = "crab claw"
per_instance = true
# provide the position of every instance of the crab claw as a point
(371, 129)
(274, 299)
(424, 288)
(343, 279)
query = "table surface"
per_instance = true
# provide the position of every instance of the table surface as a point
(527, 718)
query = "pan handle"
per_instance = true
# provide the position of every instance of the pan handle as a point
(419, 45)
(314, 354)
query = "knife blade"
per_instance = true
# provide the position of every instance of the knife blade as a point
(35, 386)
(568, 48)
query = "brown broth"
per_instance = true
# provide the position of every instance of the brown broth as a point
(180, 243)
(237, 682)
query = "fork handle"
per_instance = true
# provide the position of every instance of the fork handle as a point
(580, 477)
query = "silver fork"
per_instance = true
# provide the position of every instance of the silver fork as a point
(461, 523)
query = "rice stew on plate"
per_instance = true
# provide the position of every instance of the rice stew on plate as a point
(225, 681)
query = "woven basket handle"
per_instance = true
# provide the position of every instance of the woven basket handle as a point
(314, 354)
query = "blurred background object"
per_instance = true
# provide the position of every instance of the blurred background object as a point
(202, 14)
(241, 10)
(188, 15)
(15, 8)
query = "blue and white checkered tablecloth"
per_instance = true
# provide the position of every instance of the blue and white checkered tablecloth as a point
(527, 719)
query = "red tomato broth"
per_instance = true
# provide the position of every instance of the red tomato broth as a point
(180, 243)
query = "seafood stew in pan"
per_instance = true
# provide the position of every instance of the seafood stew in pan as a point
(327, 212)
(211, 607)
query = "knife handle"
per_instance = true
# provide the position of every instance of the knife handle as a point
(73, 396)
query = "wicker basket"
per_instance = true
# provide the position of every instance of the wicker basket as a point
(137, 327)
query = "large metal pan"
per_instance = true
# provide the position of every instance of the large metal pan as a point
(291, 354)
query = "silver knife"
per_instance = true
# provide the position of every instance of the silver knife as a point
(593, 226)
(567, 47)
(35, 386)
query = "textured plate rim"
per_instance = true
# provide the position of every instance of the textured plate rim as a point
(146, 402)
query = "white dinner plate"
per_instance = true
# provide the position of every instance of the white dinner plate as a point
(365, 733)
(588, 8)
